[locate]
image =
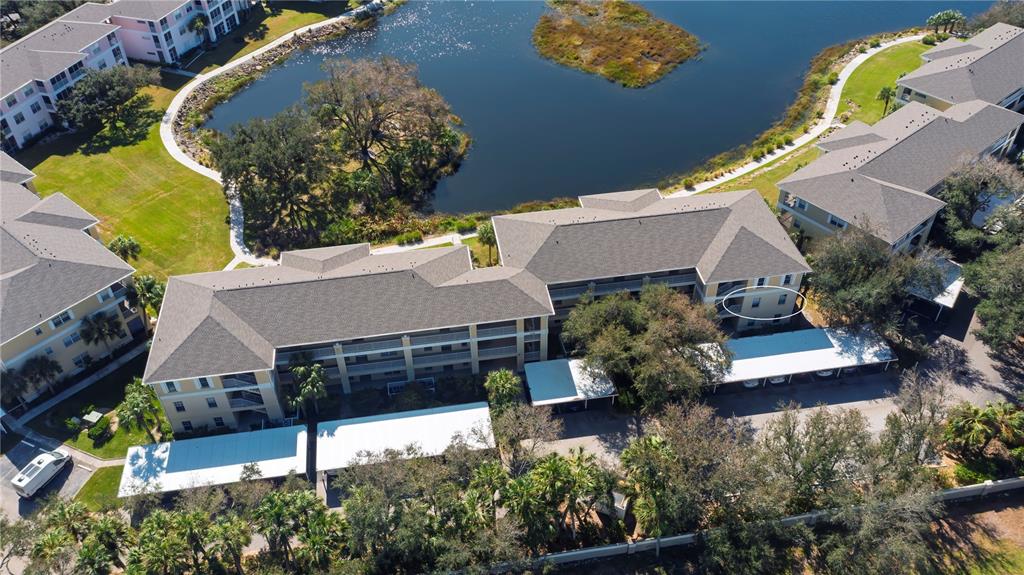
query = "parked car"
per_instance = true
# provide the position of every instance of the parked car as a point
(824, 373)
(41, 471)
(751, 383)
(778, 380)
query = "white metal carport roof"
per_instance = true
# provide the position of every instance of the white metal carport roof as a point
(212, 460)
(564, 381)
(218, 460)
(952, 284)
(804, 351)
(339, 442)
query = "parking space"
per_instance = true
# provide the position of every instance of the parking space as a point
(67, 483)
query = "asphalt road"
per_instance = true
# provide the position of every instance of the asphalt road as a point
(67, 483)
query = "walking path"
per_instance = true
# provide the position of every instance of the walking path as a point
(429, 242)
(100, 374)
(244, 255)
(831, 107)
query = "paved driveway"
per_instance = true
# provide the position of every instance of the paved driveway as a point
(67, 483)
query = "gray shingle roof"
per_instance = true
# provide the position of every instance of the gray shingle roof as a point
(46, 52)
(12, 171)
(48, 262)
(232, 321)
(989, 67)
(881, 178)
(725, 236)
(141, 9)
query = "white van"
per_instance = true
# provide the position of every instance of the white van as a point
(37, 474)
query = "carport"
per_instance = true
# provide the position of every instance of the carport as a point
(952, 285)
(220, 459)
(764, 357)
(566, 383)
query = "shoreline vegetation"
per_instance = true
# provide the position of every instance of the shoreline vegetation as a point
(799, 118)
(615, 39)
(409, 222)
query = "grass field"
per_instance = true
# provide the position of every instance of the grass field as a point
(104, 395)
(765, 179)
(882, 69)
(135, 188)
(263, 28)
(100, 492)
(479, 251)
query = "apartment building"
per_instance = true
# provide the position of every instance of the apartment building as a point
(725, 249)
(159, 31)
(37, 70)
(987, 67)
(883, 178)
(54, 274)
(225, 341)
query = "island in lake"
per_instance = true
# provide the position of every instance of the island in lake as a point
(613, 38)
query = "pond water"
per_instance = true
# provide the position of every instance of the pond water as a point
(541, 130)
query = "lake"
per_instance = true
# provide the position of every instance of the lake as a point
(541, 130)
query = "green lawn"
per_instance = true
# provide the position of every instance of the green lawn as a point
(444, 245)
(765, 179)
(882, 69)
(104, 394)
(479, 251)
(263, 28)
(100, 492)
(136, 188)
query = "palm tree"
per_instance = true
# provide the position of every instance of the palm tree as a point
(71, 515)
(969, 428)
(229, 536)
(53, 552)
(490, 478)
(485, 234)
(126, 247)
(110, 531)
(93, 558)
(321, 536)
(645, 462)
(273, 518)
(1006, 422)
(137, 405)
(101, 328)
(39, 370)
(310, 385)
(146, 291)
(885, 94)
(161, 547)
(194, 528)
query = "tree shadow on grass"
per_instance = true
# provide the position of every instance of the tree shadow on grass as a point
(967, 543)
(133, 128)
(1010, 366)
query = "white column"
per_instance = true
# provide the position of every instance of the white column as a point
(346, 387)
(520, 344)
(474, 349)
(410, 369)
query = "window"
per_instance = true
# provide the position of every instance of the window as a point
(756, 302)
(800, 204)
(787, 280)
(72, 339)
(112, 38)
(81, 360)
(761, 281)
(782, 298)
(796, 224)
(182, 31)
(211, 402)
(12, 100)
(837, 222)
(102, 65)
(48, 350)
(177, 15)
(168, 37)
(61, 318)
(186, 425)
(203, 383)
(47, 100)
(117, 52)
(179, 406)
(156, 41)
(171, 387)
(218, 422)
(35, 107)
(29, 91)
(19, 118)
(152, 26)
(39, 331)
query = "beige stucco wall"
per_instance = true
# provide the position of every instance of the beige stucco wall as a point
(50, 340)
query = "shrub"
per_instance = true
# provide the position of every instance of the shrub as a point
(410, 237)
(788, 140)
(1017, 454)
(928, 40)
(862, 49)
(466, 225)
(875, 43)
(973, 472)
(942, 36)
(73, 425)
(833, 78)
(100, 430)
(688, 183)
(166, 431)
